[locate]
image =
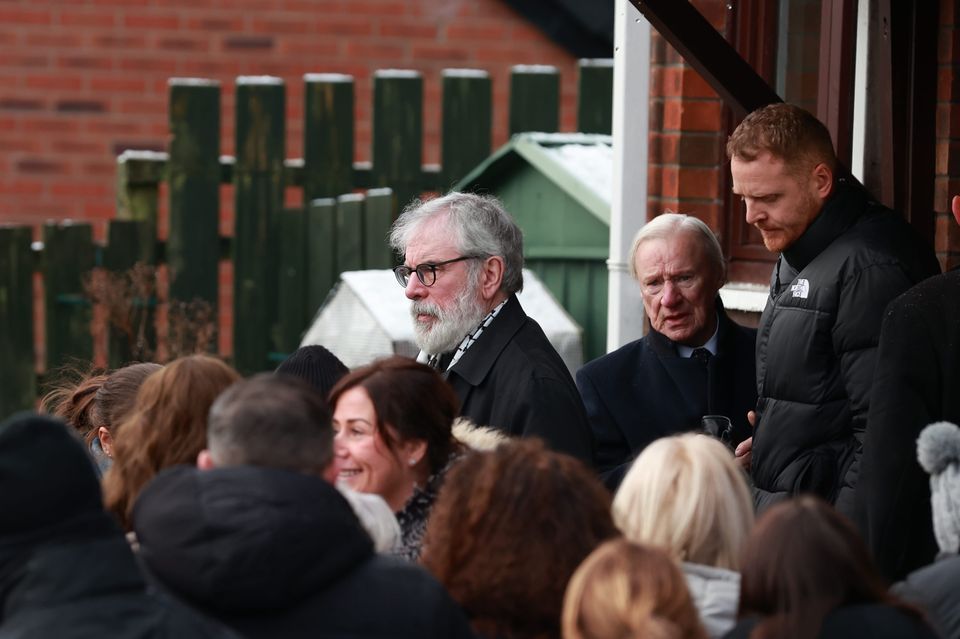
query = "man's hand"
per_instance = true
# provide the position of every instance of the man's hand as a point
(744, 448)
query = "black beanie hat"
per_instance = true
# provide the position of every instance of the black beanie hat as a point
(316, 365)
(49, 485)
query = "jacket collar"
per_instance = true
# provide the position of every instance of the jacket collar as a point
(477, 362)
(840, 211)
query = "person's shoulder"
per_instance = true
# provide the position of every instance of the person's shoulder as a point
(941, 575)
(616, 358)
(875, 620)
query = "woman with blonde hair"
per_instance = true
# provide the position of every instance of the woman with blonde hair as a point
(687, 495)
(627, 590)
(168, 426)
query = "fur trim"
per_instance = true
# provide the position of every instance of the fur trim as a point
(475, 437)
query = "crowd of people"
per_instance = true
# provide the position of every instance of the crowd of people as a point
(707, 480)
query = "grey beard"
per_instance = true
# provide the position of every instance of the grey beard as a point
(450, 327)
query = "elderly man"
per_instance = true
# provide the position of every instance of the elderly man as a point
(842, 259)
(694, 361)
(463, 261)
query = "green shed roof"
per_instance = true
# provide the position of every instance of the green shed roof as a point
(580, 164)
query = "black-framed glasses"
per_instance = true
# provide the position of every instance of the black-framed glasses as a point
(426, 272)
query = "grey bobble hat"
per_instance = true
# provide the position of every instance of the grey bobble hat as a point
(938, 451)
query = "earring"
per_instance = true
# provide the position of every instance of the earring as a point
(413, 462)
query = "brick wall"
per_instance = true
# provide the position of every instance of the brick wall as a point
(947, 238)
(80, 82)
(687, 133)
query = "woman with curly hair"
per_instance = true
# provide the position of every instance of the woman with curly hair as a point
(687, 495)
(508, 530)
(96, 404)
(168, 426)
(627, 590)
(393, 421)
(808, 575)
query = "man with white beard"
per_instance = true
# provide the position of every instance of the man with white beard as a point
(463, 261)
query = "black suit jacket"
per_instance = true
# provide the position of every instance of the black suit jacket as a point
(644, 391)
(917, 381)
(513, 379)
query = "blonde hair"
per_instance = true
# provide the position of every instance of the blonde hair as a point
(686, 494)
(628, 590)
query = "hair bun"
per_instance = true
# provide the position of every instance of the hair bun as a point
(938, 446)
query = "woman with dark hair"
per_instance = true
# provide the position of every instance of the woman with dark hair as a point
(168, 426)
(393, 421)
(629, 590)
(97, 404)
(807, 574)
(509, 528)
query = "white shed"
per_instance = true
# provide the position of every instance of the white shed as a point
(367, 316)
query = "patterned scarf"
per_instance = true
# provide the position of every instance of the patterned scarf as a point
(472, 337)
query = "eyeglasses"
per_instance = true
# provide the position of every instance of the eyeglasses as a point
(427, 272)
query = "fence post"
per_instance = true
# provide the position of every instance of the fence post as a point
(18, 381)
(595, 96)
(321, 251)
(139, 174)
(292, 286)
(398, 133)
(377, 218)
(258, 186)
(136, 338)
(465, 136)
(349, 224)
(534, 98)
(193, 177)
(327, 135)
(68, 258)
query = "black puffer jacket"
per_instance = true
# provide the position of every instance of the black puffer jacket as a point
(817, 343)
(280, 554)
(88, 590)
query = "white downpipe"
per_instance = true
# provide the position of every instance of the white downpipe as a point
(631, 128)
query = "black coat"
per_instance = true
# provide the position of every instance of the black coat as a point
(514, 380)
(280, 554)
(644, 391)
(917, 383)
(92, 589)
(817, 343)
(863, 621)
(934, 588)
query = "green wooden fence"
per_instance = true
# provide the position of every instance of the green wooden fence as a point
(285, 260)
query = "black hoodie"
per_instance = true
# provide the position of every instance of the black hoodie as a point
(276, 554)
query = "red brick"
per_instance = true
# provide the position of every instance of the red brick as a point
(488, 31)
(701, 115)
(281, 26)
(151, 21)
(343, 26)
(56, 82)
(84, 62)
(408, 30)
(375, 51)
(75, 18)
(76, 189)
(52, 38)
(698, 183)
(382, 8)
(160, 65)
(20, 16)
(216, 21)
(21, 187)
(440, 52)
(119, 83)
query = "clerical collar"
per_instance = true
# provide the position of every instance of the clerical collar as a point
(711, 345)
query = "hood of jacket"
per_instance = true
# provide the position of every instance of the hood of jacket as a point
(247, 539)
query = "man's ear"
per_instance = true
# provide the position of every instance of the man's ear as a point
(955, 207)
(205, 460)
(491, 277)
(822, 180)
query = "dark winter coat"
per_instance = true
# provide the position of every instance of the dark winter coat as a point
(280, 554)
(917, 382)
(88, 590)
(817, 343)
(863, 621)
(513, 379)
(645, 390)
(934, 588)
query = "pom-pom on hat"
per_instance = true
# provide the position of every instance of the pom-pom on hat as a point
(938, 451)
(50, 487)
(315, 365)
